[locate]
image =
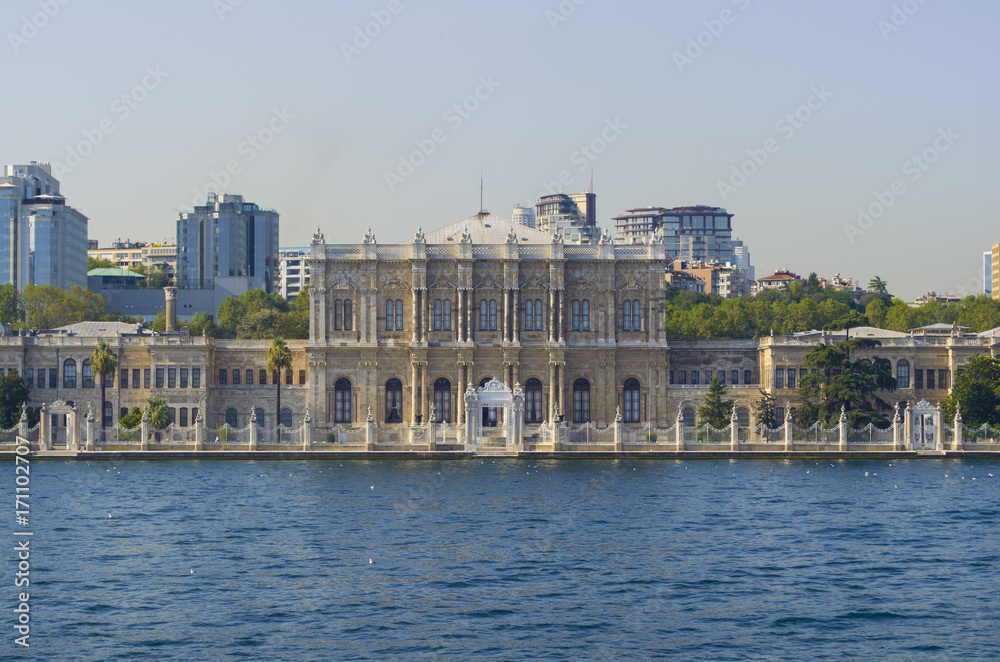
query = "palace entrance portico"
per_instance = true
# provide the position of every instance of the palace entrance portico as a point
(494, 395)
(924, 427)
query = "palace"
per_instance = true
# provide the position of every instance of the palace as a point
(401, 332)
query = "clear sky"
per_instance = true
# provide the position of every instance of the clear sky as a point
(662, 99)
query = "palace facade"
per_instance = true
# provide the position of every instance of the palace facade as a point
(405, 329)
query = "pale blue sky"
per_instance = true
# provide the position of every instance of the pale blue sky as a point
(344, 124)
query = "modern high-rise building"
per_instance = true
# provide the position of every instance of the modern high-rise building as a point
(524, 216)
(692, 234)
(741, 256)
(574, 216)
(988, 273)
(45, 242)
(293, 271)
(227, 237)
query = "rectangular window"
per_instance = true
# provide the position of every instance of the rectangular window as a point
(695, 380)
(671, 376)
(942, 379)
(109, 381)
(159, 378)
(748, 377)
(288, 377)
(195, 378)
(802, 373)
(262, 377)
(722, 376)
(184, 377)
(779, 378)
(682, 377)
(918, 378)
(734, 377)
(930, 379)
(708, 376)
(171, 377)
(194, 415)
(184, 417)
(236, 377)
(124, 378)
(135, 378)
(302, 377)
(29, 377)
(779, 416)
(146, 378)
(222, 376)
(53, 376)
(791, 378)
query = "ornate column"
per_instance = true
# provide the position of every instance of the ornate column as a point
(515, 332)
(414, 315)
(843, 428)
(321, 296)
(424, 400)
(506, 316)
(471, 402)
(461, 319)
(413, 393)
(552, 315)
(460, 410)
(425, 323)
(619, 432)
(959, 428)
(560, 371)
(562, 313)
(552, 391)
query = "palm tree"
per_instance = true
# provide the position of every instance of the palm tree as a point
(104, 363)
(279, 357)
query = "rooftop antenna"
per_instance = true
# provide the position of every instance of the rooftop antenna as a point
(482, 212)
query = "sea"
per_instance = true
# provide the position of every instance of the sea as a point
(509, 559)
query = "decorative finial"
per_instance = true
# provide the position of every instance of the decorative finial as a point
(371, 419)
(318, 237)
(419, 237)
(466, 237)
(618, 415)
(369, 237)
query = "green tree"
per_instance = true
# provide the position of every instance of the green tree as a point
(48, 307)
(132, 420)
(202, 324)
(159, 414)
(157, 279)
(279, 358)
(13, 395)
(94, 263)
(715, 409)
(977, 390)
(839, 381)
(233, 310)
(104, 363)
(851, 320)
(880, 288)
(765, 410)
(11, 305)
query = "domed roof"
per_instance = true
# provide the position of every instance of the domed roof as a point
(485, 228)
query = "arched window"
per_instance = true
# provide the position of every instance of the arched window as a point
(627, 316)
(69, 373)
(260, 416)
(581, 401)
(231, 419)
(342, 401)
(438, 315)
(585, 315)
(236, 377)
(576, 315)
(446, 322)
(348, 314)
(390, 315)
(286, 417)
(184, 417)
(636, 316)
(442, 400)
(399, 314)
(743, 417)
(903, 374)
(631, 412)
(262, 377)
(338, 315)
(393, 401)
(107, 414)
(483, 315)
(493, 314)
(529, 315)
(250, 378)
(687, 417)
(538, 315)
(88, 375)
(489, 413)
(533, 401)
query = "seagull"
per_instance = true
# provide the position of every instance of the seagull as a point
(372, 487)
(109, 515)
(193, 571)
(371, 562)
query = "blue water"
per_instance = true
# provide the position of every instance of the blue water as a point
(512, 560)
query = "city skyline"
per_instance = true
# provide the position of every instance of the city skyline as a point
(826, 110)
